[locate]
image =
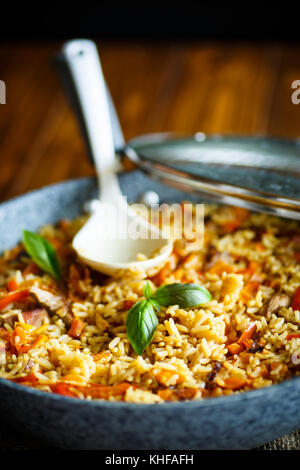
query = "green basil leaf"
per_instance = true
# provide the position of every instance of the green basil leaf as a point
(184, 295)
(155, 304)
(147, 291)
(141, 324)
(42, 253)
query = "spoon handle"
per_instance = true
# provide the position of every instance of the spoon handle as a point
(88, 87)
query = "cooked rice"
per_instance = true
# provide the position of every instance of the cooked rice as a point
(242, 264)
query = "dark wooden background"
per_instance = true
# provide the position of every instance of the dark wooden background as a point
(240, 88)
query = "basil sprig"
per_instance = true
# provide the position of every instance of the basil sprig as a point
(142, 320)
(42, 253)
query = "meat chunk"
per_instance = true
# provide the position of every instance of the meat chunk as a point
(54, 303)
(36, 317)
(277, 301)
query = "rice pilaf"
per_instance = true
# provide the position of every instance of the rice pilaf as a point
(246, 337)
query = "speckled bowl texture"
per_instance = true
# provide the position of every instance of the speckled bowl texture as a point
(242, 421)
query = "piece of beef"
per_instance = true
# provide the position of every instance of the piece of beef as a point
(36, 317)
(54, 303)
(277, 301)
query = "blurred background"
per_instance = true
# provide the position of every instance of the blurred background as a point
(170, 67)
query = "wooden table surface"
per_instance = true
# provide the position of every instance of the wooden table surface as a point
(239, 88)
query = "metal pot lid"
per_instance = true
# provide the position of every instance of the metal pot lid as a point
(261, 174)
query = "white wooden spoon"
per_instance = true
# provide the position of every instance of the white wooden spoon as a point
(113, 238)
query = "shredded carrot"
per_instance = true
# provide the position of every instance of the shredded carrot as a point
(241, 213)
(235, 348)
(191, 260)
(248, 343)
(248, 333)
(95, 391)
(13, 297)
(252, 268)
(177, 394)
(160, 277)
(231, 226)
(165, 394)
(235, 383)
(76, 328)
(38, 341)
(260, 247)
(62, 389)
(165, 375)
(249, 290)
(101, 355)
(30, 378)
(18, 337)
(104, 391)
(240, 216)
(220, 267)
(296, 300)
(12, 285)
(127, 304)
(77, 274)
(73, 378)
(178, 274)
(293, 335)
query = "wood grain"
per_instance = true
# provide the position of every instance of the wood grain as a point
(228, 88)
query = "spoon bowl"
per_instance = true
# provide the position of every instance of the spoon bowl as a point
(100, 245)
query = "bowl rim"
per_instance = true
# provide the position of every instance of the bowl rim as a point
(250, 395)
(258, 393)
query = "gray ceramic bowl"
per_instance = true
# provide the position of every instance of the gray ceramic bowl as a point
(240, 421)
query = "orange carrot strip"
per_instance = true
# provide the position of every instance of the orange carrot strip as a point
(293, 335)
(240, 216)
(252, 268)
(101, 355)
(104, 391)
(14, 297)
(296, 299)
(76, 328)
(164, 376)
(27, 378)
(249, 290)
(260, 247)
(62, 389)
(127, 304)
(73, 378)
(38, 341)
(95, 390)
(248, 333)
(220, 267)
(165, 394)
(12, 285)
(231, 226)
(248, 343)
(162, 275)
(235, 348)
(235, 383)
(21, 334)
(241, 213)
